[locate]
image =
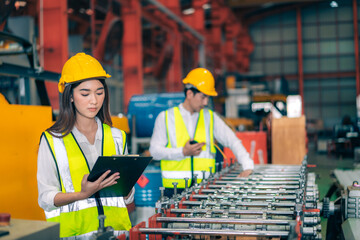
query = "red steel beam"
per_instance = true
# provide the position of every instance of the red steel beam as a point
(99, 49)
(173, 78)
(132, 50)
(356, 46)
(93, 26)
(198, 23)
(300, 56)
(53, 41)
(215, 38)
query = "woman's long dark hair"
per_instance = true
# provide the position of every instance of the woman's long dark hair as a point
(67, 116)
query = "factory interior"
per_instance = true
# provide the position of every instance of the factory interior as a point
(285, 78)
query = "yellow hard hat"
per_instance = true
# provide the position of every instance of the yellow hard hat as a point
(81, 67)
(203, 80)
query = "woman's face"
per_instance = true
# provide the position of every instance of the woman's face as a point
(88, 98)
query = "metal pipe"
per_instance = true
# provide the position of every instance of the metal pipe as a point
(256, 186)
(259, 182)
(224, 221)
(220, 211)
(232, 192)
(209, 196)
(177, 19)
(260, 175)
(212, 232)
(260, 179)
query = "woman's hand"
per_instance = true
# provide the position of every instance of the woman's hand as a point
(245, 173)
(89, 188)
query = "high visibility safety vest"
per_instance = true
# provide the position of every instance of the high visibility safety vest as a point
(71, 166)
(177, 134)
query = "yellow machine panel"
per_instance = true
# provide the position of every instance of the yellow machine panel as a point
(21, 127)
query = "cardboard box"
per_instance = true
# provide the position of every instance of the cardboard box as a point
(288, 140)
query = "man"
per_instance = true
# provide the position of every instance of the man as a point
(183, 137)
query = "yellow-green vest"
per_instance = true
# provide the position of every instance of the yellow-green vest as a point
(71, 167)
(177, 135)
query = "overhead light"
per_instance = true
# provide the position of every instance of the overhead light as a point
(206, 6)
(267, 5)
(19, 4)
(89, 11)
(188, 11)
(333, 4)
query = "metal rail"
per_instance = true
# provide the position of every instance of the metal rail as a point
(213, 232)
(225, 221)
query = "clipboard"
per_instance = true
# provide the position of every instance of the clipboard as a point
(129, 167)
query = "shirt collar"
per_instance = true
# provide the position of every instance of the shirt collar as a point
(184, 111)
(81, 137)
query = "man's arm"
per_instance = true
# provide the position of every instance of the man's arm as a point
(158, 142)
(227, 138)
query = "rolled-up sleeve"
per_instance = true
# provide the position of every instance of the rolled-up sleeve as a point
(47, 177)
(227, 138)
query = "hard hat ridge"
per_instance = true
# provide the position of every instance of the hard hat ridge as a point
(81, 67)
(202, 80)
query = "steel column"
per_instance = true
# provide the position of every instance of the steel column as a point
(132, 50)
(232, 30)
(356, 46)
(93, 26)
(53, 24)
(173, 78)
(216, 41)
(300, 57)
(174, 75)
(199, 25)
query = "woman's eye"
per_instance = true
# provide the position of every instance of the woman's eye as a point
(84, 95)
(100, 93)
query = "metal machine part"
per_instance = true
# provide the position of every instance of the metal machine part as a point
(352, 201)
(275, 201)
(103, 233)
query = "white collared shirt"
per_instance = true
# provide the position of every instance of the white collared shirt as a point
(47, 176)
(222, 133)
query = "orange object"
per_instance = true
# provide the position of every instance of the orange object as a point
(143, 181)
(254, 143)
(121, 122)
(21, 127)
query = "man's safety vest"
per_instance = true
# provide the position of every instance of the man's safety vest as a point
(177, 135)
(80, 218)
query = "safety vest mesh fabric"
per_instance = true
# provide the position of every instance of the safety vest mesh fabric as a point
(72, 165)
(177, 134)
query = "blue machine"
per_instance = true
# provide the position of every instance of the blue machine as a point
(146, 107)
(149, 194)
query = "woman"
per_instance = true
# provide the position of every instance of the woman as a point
(68, 150)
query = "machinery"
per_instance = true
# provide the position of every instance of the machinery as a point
(276, 201)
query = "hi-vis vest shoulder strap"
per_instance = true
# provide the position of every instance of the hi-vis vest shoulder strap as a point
(177, 135)
(71, 166)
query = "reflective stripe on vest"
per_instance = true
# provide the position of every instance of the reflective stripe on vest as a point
(177, 134)
(72, 165)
